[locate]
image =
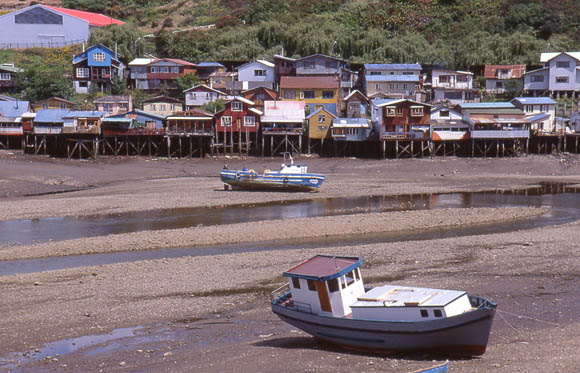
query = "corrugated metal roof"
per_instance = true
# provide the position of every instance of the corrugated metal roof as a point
(85, 114)
(535, 100)
(393, 66)
(350, 122)
(487, 105)
(93, 19)
(324, 268)
(210, 64)
(392, 78)
(356, 91)
(328, 82)
(50, 116)
(13, 109)
(111, 99)
(317, 111)
(517, 71)
(545, 57)
(538, 117)
(141, 61)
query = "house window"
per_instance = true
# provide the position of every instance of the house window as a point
(175, 70)
(226, 121)
(416, 111)
(407, 73)
(309, 65)
(308, 94)
(328, 94)
(452, 95)
(322, 128)
(561, 79)
(537, 78)
(250, 121)
(444, 113)
(154, 70)
(333, 285)
(391, 111)
(153, 107)
(563, 64)
(353, 106)
(296, 283)
(237, 106)
(444, 78)
(45, 106)
(375, 73)
(108, 108)
(99, 57)
(82, 72)
(498, 84)
(377, 87)
(529, 108)
(330, 64)
(260, 97)
(62, 105)
(5, 76)
(321, 118)
(311, 285)
(260, 72)
(290, 94)
(162, 107)
(352, 131)
(462, 78)
(399, 111)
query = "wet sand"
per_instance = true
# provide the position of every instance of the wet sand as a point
(211, 313)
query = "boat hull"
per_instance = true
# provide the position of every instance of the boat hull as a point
(249, 180)
(465, 334)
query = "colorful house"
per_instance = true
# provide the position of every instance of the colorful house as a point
(560, 75)
(156, 74)
(498, 77)
(11, 119)
(134, 122)
(95, 69)
(162, 105)
(283, 126)
(319, 124)
(356, 105)
(113, 105)
(404, 119)
(393, 80)
(82, 122)
(8, 74)
(350, 129)
(452, 86)
(315, 91)
(540, 110)
(238, 125)
(260, 94)
(53, 103)
(259, 73)
(200, 95)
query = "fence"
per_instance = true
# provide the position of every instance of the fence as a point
(41, 44)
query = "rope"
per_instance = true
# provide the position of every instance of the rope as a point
(508, 324)
(527, 317)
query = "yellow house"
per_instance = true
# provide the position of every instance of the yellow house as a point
(317, 91)
(53, 103)
(319, 124)
(162, 105)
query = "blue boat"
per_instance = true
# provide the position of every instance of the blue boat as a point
(290, 178)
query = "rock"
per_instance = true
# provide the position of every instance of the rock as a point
(168, 353)
(122, 364)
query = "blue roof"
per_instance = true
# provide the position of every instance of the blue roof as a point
(351, 120)
(86, 114)
(487, 105)
(380, 101)
(393, 66)
(318, 111)
(540, 116)
(50, 115)
(13, 109)
(392, 78)
(210, 64)
(535, 100)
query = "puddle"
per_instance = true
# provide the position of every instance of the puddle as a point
(63, 347)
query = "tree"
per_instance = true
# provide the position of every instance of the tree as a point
(187, 81)
(39, 84)
(127, 39)
(214, 106)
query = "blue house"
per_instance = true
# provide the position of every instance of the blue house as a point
(350, 129)
(95, 69)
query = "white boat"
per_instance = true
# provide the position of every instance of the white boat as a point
(325, 297)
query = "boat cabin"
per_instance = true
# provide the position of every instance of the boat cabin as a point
(326, 284)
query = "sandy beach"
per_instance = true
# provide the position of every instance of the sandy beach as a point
(211, 312)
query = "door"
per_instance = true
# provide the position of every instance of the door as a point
(323, 296)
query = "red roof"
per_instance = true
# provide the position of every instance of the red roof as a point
(176, 60)
(94, 19)
(322, 266)
(308, 82)
(491, 71)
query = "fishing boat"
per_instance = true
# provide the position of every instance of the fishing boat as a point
(290, 177)
(325, 296)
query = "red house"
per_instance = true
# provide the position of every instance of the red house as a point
(238, 125)
(260, 94)
(404, 119)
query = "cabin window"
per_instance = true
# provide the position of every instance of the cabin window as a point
(529, 108)
(357, 274)
(537, 78)
(321, 118)
(99, 57)
(349, 278)
(333, 285)
(250, 121)
(82, 72)
(437, 313)
(296, 283)
(375, 73)
(328, 94)
(153, 107)
(236, 106)
(311, 285)
(407, 73)
(444, 113)
(498, 84)
(424, 313)
(322, 128)
(226, 121)
(164, 69)
(290, 94)
(417, 111)
(564, 64)
(561, 79)
(391, 110)
(399, 111)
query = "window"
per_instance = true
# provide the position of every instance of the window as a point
(250, 121)
(296, 283)
(407, 73)
(350, 276)
(237, 106)
(309, 65)
(175, 70)
(322, 128)
(82, 72)
(260, 72)
(328, 94)
(308, 94)
(45, 106)
(561, 79)
(437, 313)
(424, 313)
(353, 106)
(375, 73)
(321, 118)
(444, 78)
(452, 95)
(172, 107)
(108, 107)
(416, 111)
(290, 95)
(5, 76)
(377, 87)
(62, 106)
(537, 78)
(333, 285)
(498, 84)
(154, 69)
(153, 107)
(260, 97)
(462, 78)
(444, 113)
(352, 131)
(357, 274)
(99, 56)
(563, 64)
(330, 64)
(226, 121)
(399, 111)
(162, 107)
(529, 108)
(391, 111)
(311, 285)
(394, 86)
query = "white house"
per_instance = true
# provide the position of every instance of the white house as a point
(453, 86)
(559, 76)
(533, 107)
(201, 94)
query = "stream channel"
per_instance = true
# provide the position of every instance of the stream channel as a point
(562, 201)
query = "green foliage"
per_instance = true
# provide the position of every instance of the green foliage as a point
(187, 81)
(127, 37)
(214, 106)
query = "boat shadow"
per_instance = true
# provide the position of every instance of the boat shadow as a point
(295, 343)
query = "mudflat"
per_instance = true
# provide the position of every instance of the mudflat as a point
(211, 312)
